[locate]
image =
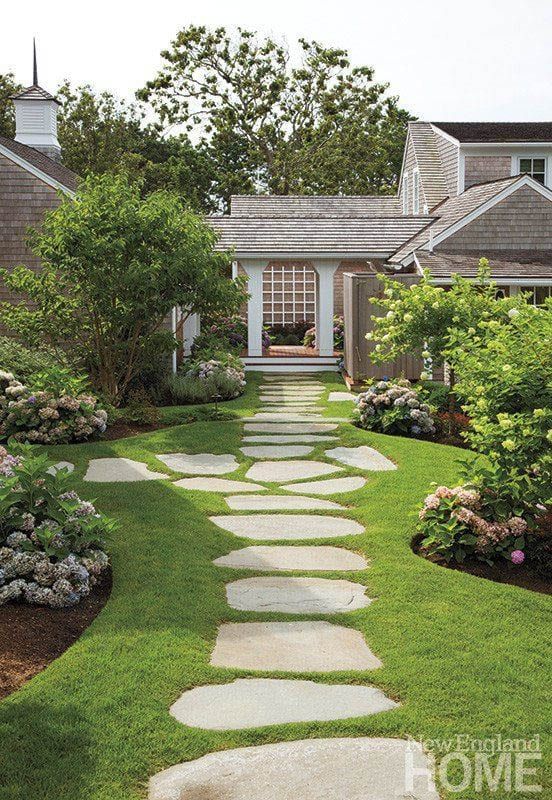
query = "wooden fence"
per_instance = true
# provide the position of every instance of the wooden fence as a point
(358, 288)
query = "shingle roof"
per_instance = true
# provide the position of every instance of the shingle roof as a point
(429, 162)
(369, 236)
(34, 93)
(452, 210)
(306, 206)
(516, 265)
(42, 162)
(498, 131)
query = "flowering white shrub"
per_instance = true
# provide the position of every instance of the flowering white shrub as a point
(214, 368)
(42, 417)
(455, 524)
(51, 542)
(394, 407)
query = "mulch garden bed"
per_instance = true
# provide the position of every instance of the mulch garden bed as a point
(33, 636)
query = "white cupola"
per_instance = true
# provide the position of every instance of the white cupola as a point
(36, 117)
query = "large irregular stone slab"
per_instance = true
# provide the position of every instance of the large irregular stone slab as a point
(116, 470)
(279, 502)
(290, 439)
(200, 463)
(274, 527)
(291, 416)
(339, 397)
(296, 595)
(275, 451)
(292, 647)
(254, 702)
(308, 769)
(218, 485)
(286, 558)
(55, 468)
(331, 486)
(281, 471)
(362, 457)
(289, 427)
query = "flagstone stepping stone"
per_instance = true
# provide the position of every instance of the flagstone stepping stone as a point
(254, 702)
(291, 439)
(291, 416)
(282, 471)
(289, 410)
(336, 397)
(118, 470)
(307, 558)
(55, 468)
(289, 427)
(283, 526)
(218, 485)
(200, 463)
(279, 502)
(296, 595)
(273, 451)
(292, 647)
(309, 769)
(362, 457)
(331, 486)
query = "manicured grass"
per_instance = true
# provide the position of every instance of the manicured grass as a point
(463, 655)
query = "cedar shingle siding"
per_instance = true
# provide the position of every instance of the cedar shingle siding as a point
(522, 221)
(449, 154)
(480, 169)
(24, 199)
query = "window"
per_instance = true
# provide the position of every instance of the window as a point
(416, 192)
(535, 167)
(537, 294)
(405, 193)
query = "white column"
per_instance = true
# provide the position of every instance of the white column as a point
(190, 330)
(254, 269)
(325, 306)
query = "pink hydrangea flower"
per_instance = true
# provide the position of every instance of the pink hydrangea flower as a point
(517, 556)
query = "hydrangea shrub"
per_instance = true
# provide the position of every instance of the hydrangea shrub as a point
(394, 407)
(338, 332)
(215, 369)
(46, 418)
(455, 524)
(52, 543)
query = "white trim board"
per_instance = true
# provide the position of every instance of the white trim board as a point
(38, 173)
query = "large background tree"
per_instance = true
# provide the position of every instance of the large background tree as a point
(113, 266)
(321, 126)
(8, 87)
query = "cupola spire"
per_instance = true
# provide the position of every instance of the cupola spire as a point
(35, 68)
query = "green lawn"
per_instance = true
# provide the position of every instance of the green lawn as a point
(463, 655)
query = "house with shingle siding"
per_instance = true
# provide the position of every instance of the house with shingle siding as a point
(466, 191)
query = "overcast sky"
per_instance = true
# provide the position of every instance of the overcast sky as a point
(469, 60)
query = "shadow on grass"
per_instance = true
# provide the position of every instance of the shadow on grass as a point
(37, 756)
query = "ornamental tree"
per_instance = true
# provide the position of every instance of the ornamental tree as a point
(114, 265)
(271, 125)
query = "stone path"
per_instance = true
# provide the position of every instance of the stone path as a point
(333, 769)
(339, 397)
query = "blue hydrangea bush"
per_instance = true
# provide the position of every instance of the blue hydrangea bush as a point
(394, 407)
(52, 543)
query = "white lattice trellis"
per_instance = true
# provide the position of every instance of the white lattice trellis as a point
(289, 294)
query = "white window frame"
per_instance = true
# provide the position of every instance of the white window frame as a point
(405, 193)
(517, 159)
(416, 191)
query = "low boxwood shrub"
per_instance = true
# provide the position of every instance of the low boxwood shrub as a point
(52, 543)
(394, 407)
(203, 381)
(46, 417)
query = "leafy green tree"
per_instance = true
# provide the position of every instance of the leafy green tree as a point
(294, 129)
(114, 265)
(8, 87)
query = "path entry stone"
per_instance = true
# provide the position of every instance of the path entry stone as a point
(218, 485)
(119, 470)
(287, 526)
(273, 451)
(296, 595)
(362, 457)
(339, 397)
(290, 439)
(281, 471)
(254, 702)
(292, 647)
(331, 486)
(289, 427)
(200, 463)
(285, 558)
(279, 502)
(308, 769)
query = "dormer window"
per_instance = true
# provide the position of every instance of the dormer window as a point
(535, 167)
(415, 192)
(405, 193)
